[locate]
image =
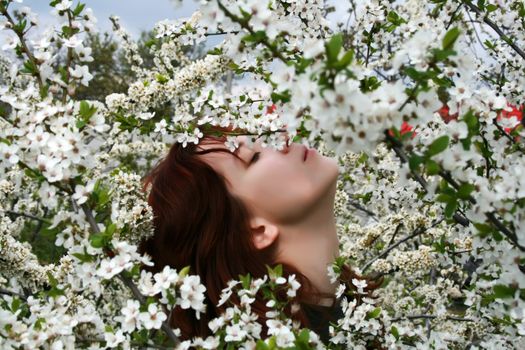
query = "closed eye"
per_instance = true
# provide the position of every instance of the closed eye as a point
(255, 157)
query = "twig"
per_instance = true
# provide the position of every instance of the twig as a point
(25, 48)
(11, 293)
(363, 209)
(30, 216)
(245, 25)
(221, 33)
(495, 27)
(452, 17)
(457, 252)
(398, 228)
(476, 30)
(414, 317)
(509, 137)
(134, 343)
(395, 145)
(39, 226)
(411, 96)
(385, 252)
(490, 215)
(127, 281)
(431, 282)
(69, 59)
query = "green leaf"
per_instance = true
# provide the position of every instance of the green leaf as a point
(256, 37)
(161, 78)
(78, 10)
(245, 280)
(369, 84)
(432, 167)
(440, 246)
(184, 272)
(86, 111)
(464, 190)
(80, 124)
(394, 332)
(481, 4)
(261, 345)
(437, 146)
(110, 230)
(333, 47)
(414, 162)
(98, 240)
(441, 55)
(52, 280)
(15, 304)
(451, 207)
(503, 291)
(374, 313)
(444, 198)
(450, 38)
(362, 158)
(472, 122)
(345, 60)
(29, 68)
(302, 340)
(83, 257)
(491, 8)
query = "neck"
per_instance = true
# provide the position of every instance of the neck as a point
(312, 246)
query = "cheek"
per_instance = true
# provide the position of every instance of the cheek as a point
(280, 191)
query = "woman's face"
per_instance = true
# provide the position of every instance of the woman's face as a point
(281, 186)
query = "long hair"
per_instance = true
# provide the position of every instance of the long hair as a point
(199, 223)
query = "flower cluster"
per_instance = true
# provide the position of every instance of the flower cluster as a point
(420, 101)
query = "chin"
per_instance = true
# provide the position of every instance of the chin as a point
(333, 167)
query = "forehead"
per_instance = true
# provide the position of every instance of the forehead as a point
(223, 162)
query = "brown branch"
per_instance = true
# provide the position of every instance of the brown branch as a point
(30, 216)
(126, 280)
(415, 317)
(244, 24)
(69, 59)
(358, 206)
(134, 343)
(11, 293)
(25, 48)
(385, 252)
(490, 215)
(509, 137)
(395, 145)
(495, 27)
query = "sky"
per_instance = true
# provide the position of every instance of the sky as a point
(138, 15)
(135, 15)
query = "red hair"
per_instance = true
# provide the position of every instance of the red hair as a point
(199, 223)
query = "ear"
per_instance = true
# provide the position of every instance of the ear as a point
(264, 232)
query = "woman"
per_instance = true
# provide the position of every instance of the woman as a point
(227, 214)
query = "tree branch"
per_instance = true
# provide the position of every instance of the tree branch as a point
(245, 25)
(127, 281)
(69, 59)
(414, 317)
(495, 27)
(25, 48)
(30, 216)
(11, 293)
(385, 252)
(395, 145)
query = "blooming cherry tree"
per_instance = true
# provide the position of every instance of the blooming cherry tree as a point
(420, 101)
